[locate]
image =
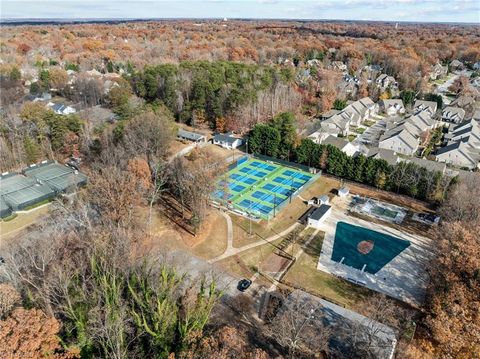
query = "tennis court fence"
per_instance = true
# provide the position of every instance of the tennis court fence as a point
(286, 163)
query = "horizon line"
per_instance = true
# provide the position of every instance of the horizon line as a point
(123, 19)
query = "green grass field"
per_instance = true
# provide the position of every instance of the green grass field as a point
(260, 188)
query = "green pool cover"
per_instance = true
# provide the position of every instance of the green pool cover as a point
(360, 246)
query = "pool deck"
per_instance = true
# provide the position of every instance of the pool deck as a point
(403, 278)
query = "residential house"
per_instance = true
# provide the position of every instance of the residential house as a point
(319, 136)
(361, 110)
(453, 114)
(469, 129)
(460, 154)
(457, 65)
(338, 124)
(383, 154)
(371, 72)
(352, 115)
(438, 71)
(384, 81)
(61, 109)
(392, 107)
(421, 105)
(399, 140)
(329, 113)
(429, 165)
(338, 65)
(227, 140)
(463, 101)
(343, 145)
(476, 115)
(191, 136)
(463, 145)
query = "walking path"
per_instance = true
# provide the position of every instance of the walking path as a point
(231, 251)
(229, 231)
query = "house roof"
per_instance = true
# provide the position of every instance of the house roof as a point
(392, 102)
(383, 154)
(429, 165)
(463, 101)
(422, 105)
(476, 115)
(338, 142)
(403, 134)
(360, 107)
(452, 112)
(319, 212)
(462, 147)
(225, 137)
(193, 136)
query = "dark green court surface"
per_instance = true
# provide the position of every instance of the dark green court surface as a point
(359, 247)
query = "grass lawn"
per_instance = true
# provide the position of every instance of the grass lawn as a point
(284, 219)
(209, 243)
(351, 138)
(213, 237)
(246, 263)
(360, 130)
(368, 123)
(304, 274)
(21, 221)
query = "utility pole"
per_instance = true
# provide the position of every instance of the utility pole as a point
(250, 218)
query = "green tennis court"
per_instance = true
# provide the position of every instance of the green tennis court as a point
(364, 249)
(260, 188)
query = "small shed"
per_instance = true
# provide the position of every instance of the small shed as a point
(343, 192)
(323, 199)
(319, 215)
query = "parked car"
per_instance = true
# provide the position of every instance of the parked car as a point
(244, 284)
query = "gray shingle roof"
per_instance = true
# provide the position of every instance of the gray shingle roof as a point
(192, 136)
(320, 212)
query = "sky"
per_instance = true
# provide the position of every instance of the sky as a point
(376, 10)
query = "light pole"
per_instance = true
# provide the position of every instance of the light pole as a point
(291, 189)
(250, 219)
(274, 203)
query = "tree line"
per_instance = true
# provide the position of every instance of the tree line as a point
(208, 93)
(278, 139)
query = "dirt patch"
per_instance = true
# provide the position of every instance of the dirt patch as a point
(274, 264)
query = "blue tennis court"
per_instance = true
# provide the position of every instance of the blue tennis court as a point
(255, 206)
(236, 188)
(260, 187)
(266, 166)
(288, 182)
(267, 197)
(297, 175)
(277, 189)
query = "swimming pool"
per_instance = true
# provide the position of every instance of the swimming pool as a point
(365, 249)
